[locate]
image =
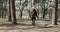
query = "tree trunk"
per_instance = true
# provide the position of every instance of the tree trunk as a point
(44, 12)
(13, 13)
(55, 13)
(21, 14)
(2, 13)
(9, 16)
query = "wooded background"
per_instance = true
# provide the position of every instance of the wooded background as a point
(20, 9)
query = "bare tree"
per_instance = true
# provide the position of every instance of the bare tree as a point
(21, 9)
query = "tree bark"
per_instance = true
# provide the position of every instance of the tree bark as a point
(55, 13)
(9, 16)
(13, 13)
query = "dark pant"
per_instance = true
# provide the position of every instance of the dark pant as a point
(33, 20)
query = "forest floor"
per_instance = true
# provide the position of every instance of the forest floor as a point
(26, 26)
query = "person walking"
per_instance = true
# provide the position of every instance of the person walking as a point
(33, 15)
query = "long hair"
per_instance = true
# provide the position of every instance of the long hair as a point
(33, 12)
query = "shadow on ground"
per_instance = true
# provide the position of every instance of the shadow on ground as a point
(24, 24)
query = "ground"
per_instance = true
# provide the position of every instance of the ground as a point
(26, 26)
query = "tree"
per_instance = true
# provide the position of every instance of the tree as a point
(44, 10)
(13, 12)
(22, 6)
(2, 9)
(9, 16)
(21, 9)
(55, 13)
